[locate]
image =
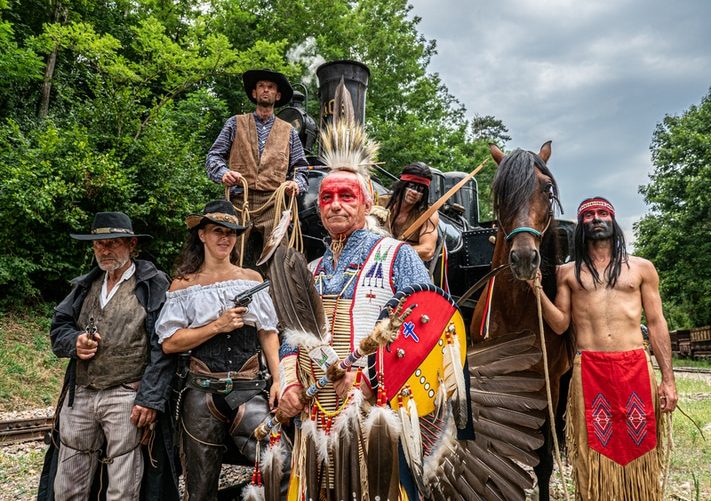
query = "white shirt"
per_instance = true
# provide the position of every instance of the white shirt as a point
(201, 304)
(106, 295)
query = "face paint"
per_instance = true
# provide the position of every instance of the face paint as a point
(342, 204)
(597, 224)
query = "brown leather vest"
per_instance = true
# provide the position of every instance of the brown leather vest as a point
(123, 350)
(269, 171)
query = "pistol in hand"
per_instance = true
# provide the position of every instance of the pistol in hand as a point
(243, 299)
(91, 329)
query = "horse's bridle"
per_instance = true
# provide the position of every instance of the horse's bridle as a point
(552, 197)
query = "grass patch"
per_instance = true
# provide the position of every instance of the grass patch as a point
(687, 362)
(30, 374)
(20, 464)
(691, 455)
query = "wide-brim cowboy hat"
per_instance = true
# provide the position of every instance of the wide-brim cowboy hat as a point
(219, 212)
(251, 77)
(109, 225)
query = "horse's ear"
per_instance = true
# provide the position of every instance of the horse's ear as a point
(545, 152)
(496, 153)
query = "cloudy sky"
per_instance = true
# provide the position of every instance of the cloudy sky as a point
(594, 76)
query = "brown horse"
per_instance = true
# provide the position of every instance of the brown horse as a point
(525, 197)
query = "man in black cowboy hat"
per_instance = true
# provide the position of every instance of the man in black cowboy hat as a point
(260, 148)
(118, 379)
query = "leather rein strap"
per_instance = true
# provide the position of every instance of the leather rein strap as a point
(481, 282)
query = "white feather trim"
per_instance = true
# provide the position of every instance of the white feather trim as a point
(252, 493)
(273, 459)
(346, 419)
(390, 418)
(302, 339)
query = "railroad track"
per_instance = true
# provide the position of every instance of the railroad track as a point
(27, 430)
(24, 430)
(691, 370)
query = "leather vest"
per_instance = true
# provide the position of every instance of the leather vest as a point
(267, 172)
(122, 356)
(228, 351)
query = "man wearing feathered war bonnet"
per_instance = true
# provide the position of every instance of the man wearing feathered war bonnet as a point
(352, 299)
(614, 428)
(262, 150)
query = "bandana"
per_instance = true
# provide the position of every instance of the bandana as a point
(595, 203)
(415, 179)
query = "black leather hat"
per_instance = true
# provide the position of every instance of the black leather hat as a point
(109, 225)
(219, 212)
(251, 77)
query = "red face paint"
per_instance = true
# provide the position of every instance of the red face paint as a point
(342, 188)
(342, 203)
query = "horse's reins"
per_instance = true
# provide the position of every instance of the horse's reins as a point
(551, 416)
(481, 282)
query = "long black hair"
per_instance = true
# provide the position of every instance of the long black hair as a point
(192, 256)
(618, 258)
(395, 203)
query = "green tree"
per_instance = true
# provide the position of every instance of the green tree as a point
(113, 106)
(676, 234)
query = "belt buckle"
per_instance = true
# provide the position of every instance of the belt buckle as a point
(228, 385)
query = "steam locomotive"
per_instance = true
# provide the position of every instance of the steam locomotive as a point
(469, 242)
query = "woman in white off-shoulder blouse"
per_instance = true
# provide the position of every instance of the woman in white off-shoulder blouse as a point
(226, 395)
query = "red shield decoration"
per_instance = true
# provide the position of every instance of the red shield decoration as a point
(412, 365)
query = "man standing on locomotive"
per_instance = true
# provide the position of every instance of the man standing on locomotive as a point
(358, 274)
(263, 150)
(614, 425)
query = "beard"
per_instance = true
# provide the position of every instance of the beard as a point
(265, 101)
(112, 265)
(603, 232)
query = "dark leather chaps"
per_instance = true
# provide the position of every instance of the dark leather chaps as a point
(208, 427)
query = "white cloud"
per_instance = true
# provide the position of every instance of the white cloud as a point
(595, 77)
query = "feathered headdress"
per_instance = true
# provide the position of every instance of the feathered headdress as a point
(346, 147)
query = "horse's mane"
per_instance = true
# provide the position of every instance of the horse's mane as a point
(513, 187)
(515, 181)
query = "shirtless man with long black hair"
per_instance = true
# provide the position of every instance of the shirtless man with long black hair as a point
(614, 402)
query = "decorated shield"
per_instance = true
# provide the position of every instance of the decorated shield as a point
(413, 366)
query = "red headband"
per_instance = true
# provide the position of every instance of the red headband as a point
(595, 203)
(415, 179)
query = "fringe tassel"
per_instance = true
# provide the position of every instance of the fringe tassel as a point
(253, 493)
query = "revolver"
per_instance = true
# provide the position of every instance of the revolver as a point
(91, 329)
(244, 298)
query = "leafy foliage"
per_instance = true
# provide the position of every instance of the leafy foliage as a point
(676, 234)
(113, 106)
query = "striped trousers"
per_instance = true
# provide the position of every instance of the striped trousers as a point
(99, 417)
